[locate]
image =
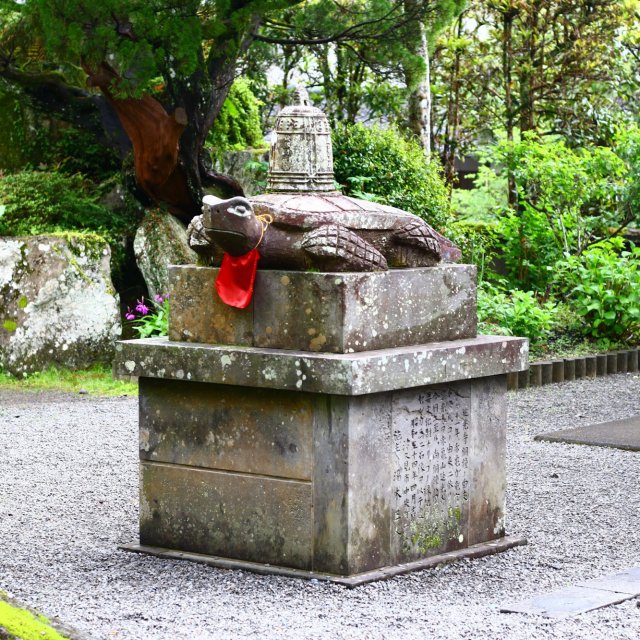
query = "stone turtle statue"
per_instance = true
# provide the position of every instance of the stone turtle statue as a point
(324, 231)
(302, 223)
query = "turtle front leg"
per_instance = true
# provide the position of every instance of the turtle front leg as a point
(333, 247)
(209, 253)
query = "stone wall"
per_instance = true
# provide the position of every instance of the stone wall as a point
(57, 303)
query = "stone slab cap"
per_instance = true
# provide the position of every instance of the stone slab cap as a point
(567, 602)
(328, 312)
(340, 374)
(618, 434)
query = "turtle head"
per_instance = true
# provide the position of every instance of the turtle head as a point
(232, 224)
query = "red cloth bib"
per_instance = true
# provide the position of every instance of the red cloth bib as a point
(237, 274)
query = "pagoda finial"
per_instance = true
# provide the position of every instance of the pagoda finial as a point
(301, 96)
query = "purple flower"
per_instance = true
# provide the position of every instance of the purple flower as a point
(158, 298)
(129, 315)
(141, 307)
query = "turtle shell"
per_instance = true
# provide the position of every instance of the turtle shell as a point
(310, 210)
(403, 238)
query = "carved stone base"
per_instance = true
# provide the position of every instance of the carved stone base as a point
(348, 461)
(328, 312)
(337, 465)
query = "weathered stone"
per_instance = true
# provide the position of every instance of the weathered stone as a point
(566, 602)
(303, 223)
(487, 451)
(57, 303)
(342, 374)
(619, 434)
(473, 552)
(248, 167)
(227, 428)
(627, 581)
(319, 232)
(390, 478)
(261, 519)
(301, 158)
(381, 456)
(325, 312)
(161, 240)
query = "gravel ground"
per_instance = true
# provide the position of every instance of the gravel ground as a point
(68, 497)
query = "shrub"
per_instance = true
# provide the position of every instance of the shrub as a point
(380, 164)
(238, 123)
(487, 199)
(566, 199)
(603, 285)
(479, 242)
(35, 202)
(514, 313)
(627, 146)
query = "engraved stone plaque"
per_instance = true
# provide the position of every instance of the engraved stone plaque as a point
(430, 502)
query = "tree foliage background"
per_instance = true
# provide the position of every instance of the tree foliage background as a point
(541, 95)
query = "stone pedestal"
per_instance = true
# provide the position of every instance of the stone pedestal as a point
(349, 466)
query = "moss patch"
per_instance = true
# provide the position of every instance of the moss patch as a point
(10, 325)
(97, 381)
(83, 242)
(25, 625)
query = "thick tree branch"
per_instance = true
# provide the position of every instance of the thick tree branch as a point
(49, 93)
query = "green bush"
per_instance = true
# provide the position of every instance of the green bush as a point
(603, 285)
(238, 123)
(479, 242)
(627, 146)
(487, 199)
(35, 202)
(381, 165)
(39, 202)
(514, 313)
(567, 198)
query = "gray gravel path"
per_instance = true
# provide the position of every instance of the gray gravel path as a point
(68, 497)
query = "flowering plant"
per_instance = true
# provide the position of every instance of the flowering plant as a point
(150, 319)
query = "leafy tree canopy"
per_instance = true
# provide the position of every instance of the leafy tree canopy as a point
(159, 71)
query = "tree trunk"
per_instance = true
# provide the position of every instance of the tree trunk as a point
(420, 98)
(507, 66)
(453, 115)
(526, 70)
